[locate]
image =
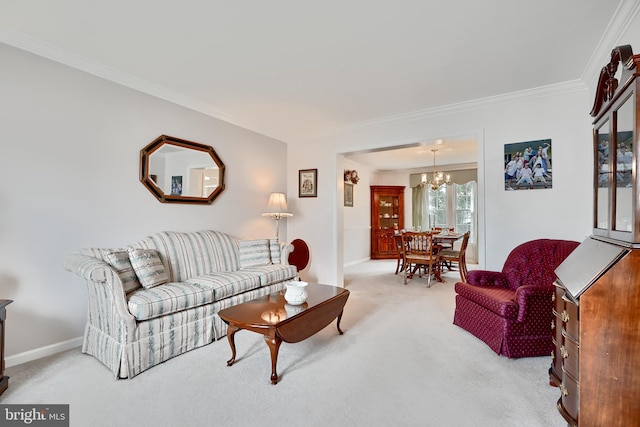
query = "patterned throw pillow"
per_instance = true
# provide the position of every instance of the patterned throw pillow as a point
(254, 253)
(119, 260)
(148, 267)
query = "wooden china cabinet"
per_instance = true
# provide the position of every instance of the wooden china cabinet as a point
(596, 361)
(387, 218)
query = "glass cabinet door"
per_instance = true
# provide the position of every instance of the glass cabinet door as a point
(604, 171)
(623, 184)
(389, 212)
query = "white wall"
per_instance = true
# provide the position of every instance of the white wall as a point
(511, 217)
(357, 219)
(69, 171)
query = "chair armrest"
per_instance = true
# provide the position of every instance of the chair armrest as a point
(99, 275)
(89, 268)
(487, 278)
(534, 297)
(285, 250)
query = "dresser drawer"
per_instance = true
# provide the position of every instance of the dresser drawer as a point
(571, 318)
(570, 353)
(556, 297)
(555, 371)
(570, 389)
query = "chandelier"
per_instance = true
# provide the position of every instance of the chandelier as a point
(438, 179)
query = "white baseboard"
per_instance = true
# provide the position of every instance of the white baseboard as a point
(356, 262)
(41, 352)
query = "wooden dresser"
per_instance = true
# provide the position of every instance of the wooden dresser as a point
(4, 380)
(596, 361)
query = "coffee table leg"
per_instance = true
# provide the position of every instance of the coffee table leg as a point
(231, 332)
(274, 345)
(338, 325)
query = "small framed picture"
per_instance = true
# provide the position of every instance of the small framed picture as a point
(348, 194)
(308, 183)
(176, 185)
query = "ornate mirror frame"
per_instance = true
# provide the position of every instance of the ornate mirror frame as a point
(172, 144)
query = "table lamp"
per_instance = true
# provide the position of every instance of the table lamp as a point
(277, 208)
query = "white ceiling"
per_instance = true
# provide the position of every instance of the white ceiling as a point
(460, 151)
(295, 70)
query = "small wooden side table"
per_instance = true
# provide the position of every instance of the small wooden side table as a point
(278, 321)
(4, 380)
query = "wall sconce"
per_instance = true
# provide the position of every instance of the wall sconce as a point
(276, 209)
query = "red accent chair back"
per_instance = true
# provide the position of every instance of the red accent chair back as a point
(511, 310)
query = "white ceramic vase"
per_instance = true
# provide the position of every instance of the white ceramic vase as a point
(296, 293)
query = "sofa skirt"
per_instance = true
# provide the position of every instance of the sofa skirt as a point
(160, 339)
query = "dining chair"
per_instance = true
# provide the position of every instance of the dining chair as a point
(397, 238)
(419, 254)
(450, 256)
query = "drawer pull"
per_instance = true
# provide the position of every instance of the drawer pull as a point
(564, 352)
(564, 390)
(553, 354)
(553, 296)
(564, 316)
(553, 325)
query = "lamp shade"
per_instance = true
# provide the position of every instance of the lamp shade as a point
(277, 206)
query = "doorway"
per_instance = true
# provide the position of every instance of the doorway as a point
(393, 165)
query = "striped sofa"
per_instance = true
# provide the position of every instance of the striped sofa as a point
(159, 297)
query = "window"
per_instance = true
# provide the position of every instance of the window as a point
(464, 207)
(452, 206)
(438, 207)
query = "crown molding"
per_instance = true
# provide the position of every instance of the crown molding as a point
(476, 104)
(620, 22)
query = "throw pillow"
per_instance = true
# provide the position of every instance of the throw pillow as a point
(148, 267)
(254, 253)
(119, 260)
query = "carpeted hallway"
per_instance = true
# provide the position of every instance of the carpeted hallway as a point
(400, 362)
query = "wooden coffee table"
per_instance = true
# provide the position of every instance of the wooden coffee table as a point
(278, 321)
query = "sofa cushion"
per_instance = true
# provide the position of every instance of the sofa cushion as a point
(120, 261)
(226, 284)
(193, 254)
(273, 273)
(254, 252)
(499, 300)
(148, 267)
(168, 298)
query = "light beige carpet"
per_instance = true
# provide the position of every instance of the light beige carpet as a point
(401, 362)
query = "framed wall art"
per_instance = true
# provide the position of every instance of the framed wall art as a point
(176, 185)
(527, 165)
(308, 183)
(348, 194)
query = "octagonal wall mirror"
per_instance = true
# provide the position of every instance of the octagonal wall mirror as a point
(175, 170)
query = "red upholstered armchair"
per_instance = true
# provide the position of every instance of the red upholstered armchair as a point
(511, 310)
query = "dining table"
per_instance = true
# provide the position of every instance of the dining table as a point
(447, 238)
